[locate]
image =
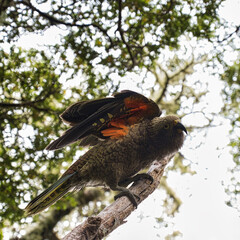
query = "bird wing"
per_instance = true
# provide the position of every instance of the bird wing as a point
(105, 118)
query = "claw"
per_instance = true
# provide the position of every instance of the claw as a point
(143, 176)
(135, 178)
(129, 195)
(133, 198)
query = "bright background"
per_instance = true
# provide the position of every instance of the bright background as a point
(203, 213)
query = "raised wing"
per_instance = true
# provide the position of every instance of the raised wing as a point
(111, 117)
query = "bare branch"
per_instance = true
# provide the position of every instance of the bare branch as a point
(20, 104)
(172, 195)
(179, 95)
(4, 4)
(165, 84)
(169, 78)
(122, 33)
(228, 36)
(114, 215)
(56, 21)
(31, 104)
(184, 69)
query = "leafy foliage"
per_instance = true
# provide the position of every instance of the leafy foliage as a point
(231, 77)
(105, 39)
(119, 35)
(30, 96)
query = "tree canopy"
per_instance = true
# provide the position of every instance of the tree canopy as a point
(98, 43)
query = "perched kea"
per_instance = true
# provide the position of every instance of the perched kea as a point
(127, 135)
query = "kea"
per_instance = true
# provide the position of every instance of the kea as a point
(126, 133)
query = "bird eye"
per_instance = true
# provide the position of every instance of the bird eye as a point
(166, 126)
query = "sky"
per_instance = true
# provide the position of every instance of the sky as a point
(203, 213)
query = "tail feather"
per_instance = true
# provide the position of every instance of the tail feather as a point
(50, 195)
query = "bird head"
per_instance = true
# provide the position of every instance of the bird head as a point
(169, 132)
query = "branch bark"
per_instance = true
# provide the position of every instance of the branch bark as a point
(114, 215)
(45, 226)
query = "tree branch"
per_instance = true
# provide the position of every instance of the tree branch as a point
(228, 36)
(168, 77)
(31, 104)
(45, 226)
(114, 215)
(4, 4)
(122, 33)
(165, 84)
(56, 21)
(22, 103)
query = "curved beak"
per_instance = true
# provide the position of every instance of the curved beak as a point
(181, 127)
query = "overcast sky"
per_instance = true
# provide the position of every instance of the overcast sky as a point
(203, 214)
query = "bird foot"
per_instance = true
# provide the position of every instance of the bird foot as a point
(135, 178)
(132, 197)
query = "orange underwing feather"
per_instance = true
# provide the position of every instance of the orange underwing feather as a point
(140, 107)
(118, 130)
(115, 133)
(136, 108)
(104, 118)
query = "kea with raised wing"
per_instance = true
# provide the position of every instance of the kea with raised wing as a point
(127, 135)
